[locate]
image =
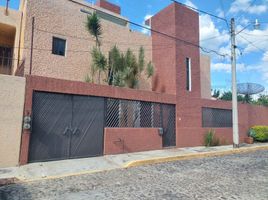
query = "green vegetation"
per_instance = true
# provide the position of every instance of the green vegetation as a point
(259, 133)
(210, 139)
(121, 69)
(262, 100)
(227, 96)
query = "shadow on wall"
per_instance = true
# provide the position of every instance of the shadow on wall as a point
(155, 85)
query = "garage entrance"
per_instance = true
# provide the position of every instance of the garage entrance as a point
(66, 126)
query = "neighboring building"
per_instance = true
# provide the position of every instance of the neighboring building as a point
(10, 28)
(61, 44)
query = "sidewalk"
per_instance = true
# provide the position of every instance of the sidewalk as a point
(60, 169)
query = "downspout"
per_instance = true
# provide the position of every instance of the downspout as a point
(18, 63)
(7, 7)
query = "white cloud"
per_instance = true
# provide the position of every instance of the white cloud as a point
(265, 57)
(224, 67)
(189, 3)
(245, 6)
(220, 13)
(259, 38)
(210, 36)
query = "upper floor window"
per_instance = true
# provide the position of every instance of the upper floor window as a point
(188, 74)
(58, 46)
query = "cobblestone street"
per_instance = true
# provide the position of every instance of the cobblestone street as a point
(241, 176)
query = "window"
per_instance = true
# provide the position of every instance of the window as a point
(58, 46)
(188, 75)
(214, 117)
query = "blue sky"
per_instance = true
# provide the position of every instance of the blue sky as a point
(252, 65)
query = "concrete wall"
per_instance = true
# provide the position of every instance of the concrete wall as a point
(205, 77)
(12, 90)
(127, 140)
(64, 19)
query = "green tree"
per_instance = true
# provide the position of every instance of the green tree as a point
(115, 65)
(99, 61)
(93, 26)
(262, 100)
(141, 59)
(216, 93)
(227, 96)
(125, 69)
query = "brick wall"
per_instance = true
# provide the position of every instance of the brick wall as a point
(64, 19)
(127, 140)
(109, 6)
(38, 83)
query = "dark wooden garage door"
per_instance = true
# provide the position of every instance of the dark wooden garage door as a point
(66, 126)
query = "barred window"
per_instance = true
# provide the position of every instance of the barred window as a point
(214, 117)
(127, 113)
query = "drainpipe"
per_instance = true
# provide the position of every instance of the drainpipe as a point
(18, 63)
(7, 7)
(32, 41)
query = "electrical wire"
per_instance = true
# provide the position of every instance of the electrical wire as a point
(250, 4)
(250, 34)
(170, 36)
(251, 43)
(202, 11)
(164, 34)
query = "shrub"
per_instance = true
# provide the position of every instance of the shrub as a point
(210, 139)
(259, 133)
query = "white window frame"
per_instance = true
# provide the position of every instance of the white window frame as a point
(189, 78)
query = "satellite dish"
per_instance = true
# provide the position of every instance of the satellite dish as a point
(249, 88)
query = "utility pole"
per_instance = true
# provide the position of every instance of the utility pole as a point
(234, 87)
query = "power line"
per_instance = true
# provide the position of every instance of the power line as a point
(250, 34)
(250, 4)
(200, 11)
(251, 43)
(211, 38)
(167, 35)
(204, 12)
(223, 9)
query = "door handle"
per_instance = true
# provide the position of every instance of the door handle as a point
(67, 129)
(76, 131)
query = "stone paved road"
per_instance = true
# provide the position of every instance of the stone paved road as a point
(241, 176)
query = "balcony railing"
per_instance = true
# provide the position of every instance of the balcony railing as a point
(6, 65)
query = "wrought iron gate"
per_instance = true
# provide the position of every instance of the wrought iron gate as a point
(66, 126)
(127, 113)
(169, 125)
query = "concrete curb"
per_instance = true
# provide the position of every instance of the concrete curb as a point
(193, 156)
(137, 163)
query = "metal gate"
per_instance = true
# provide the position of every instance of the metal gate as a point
(66, 126)
(127, 113)
(168, 124)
